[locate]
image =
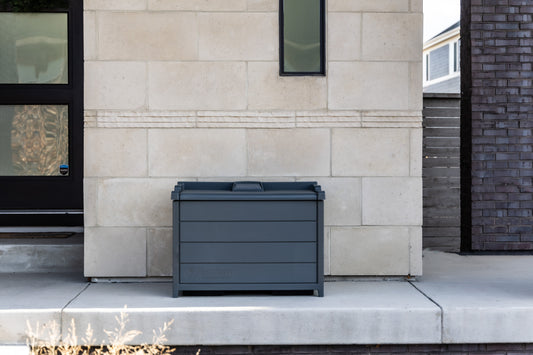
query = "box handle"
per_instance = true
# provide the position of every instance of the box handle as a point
(248, 186)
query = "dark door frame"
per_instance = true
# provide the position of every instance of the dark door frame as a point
(54, 200)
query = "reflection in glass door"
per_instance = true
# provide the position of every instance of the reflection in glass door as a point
(34, 48)
(34, 140)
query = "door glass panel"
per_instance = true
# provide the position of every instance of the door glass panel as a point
(301, 36)
(33, 48)
(34, 140)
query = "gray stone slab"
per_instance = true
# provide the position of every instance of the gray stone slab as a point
(350, 313)
(33, 298)
(41, 255)
(15, 350)
(484, 299)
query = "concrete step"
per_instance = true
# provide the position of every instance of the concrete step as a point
(42, 254)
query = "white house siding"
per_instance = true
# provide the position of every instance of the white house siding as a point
(189, 90)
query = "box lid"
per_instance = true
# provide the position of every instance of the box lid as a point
(247, 191)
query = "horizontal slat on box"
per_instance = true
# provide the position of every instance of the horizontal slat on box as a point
(248, 231)
(247, 252)
(248, 210)
(248, 273)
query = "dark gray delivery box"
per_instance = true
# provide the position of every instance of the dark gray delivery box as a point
(248, 236)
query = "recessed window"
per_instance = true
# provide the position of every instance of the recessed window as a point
(302, 37)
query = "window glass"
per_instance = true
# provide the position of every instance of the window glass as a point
(33, 140)
(457, 56)
(439, 62)
(427, 67)
(33, 48)
(302, 36)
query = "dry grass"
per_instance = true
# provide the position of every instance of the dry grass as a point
(116, 343)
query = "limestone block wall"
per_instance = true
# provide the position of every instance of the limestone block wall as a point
(190, 90)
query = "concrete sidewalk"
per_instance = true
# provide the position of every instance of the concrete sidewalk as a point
(460, 299)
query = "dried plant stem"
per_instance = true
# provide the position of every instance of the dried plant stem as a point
(116, 343)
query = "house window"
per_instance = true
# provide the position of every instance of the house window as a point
(456, 56)
(427, 67)
(439, 60)
(302, 36)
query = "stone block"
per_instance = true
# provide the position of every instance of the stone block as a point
(344, 36)
(90, 198)
(415, 86)
(342, 206)
(159, 252)
(135, 202)
(263, 5)
(392, 36)
(197, 152)
(370, 152)
(89, 35)
(144, 119)
(114, 5)
(415, 251)
(392, 119)
(246, 119)
(370, 251)
(197, 86)
(415, 168)
(392, 201)
(115, 152)
(288, 152)
(238, 36)
(115, 85)
(368, 85)
(368, 5)
(417, 5)
(197, 5)
(147, 36)
(115, 252)
(267, 90)
(330, 119)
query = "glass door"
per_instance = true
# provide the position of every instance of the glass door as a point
(41, 113)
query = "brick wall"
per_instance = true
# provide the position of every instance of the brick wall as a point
(502, 123)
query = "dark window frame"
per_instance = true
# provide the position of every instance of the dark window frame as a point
(52, 193)
(322, 71)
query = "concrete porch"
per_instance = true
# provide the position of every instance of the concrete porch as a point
(460, 299)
